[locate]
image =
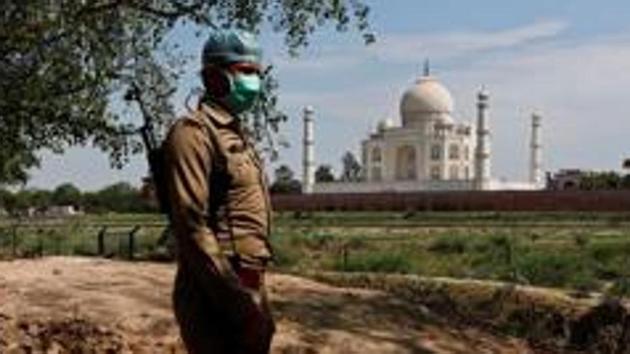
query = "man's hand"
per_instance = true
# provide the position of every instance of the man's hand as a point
(224, 268)
(209, 246)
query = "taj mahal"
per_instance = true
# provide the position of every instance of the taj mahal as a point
(428, 151)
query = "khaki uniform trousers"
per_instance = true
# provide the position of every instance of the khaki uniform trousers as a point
(220, 318)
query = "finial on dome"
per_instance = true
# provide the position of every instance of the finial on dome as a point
(427, 68)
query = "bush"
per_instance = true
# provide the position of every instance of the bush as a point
(498, 250)
(374, 262)
(581, 240)
(620, 287)
(287, 249)
(605, 252)
(318, 240)
(607, 271)
(449, 245)
(285, 257)
(84, 249)
(558, 269)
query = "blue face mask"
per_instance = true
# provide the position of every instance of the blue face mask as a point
(245, 89)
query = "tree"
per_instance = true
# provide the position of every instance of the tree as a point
(14, 162)
(8, 200)
(33, 198)
(119, 197)
(324, 174)
(601, 181)
(351, 168)
(66, 194)
(63, 64)
(284, 182)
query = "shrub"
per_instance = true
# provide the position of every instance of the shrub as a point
(318, 240)
(498, 248)
(605, 252)
(557, 269)
(449, 245)
(606, 271)
(581, 240)
(534, 236)
(286, 258)
(380, 262)
(84, 249)
(620, 287)
(287, 250)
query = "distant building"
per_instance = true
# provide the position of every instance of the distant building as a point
(61, 211)
(30, 212)
(53, 211)
(428, 146)
(429, 150)
(566, 179)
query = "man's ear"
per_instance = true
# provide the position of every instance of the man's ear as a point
(216, 81)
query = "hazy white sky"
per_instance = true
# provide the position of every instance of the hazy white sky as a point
(568, 59)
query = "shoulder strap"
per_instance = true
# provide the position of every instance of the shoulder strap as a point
(220, 163)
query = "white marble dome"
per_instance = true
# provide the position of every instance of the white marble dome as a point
(427, 100)
(384, 124)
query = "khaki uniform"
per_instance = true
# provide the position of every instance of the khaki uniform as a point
(220, 210)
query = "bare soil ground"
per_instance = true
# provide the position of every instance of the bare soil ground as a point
(81, 305)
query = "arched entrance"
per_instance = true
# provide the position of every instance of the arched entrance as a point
(406, 163)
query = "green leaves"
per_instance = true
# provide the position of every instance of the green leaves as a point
(63, 65)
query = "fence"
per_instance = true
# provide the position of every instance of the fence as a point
(131, 242)
(551, 250)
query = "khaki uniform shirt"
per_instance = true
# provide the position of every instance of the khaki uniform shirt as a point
(191, 155)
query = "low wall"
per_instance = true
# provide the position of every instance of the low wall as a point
(458, 201)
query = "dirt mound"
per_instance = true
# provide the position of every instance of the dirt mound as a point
(548, 318)
(59, 336)
(81, 305)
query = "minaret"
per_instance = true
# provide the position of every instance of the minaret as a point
(535, 161)
(308, 152)
(482, 150)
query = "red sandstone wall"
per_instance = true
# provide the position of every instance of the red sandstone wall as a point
(459, 201)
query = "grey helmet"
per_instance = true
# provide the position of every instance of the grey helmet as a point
(229, 46)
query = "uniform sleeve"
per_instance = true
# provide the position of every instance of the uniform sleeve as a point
(188, 167)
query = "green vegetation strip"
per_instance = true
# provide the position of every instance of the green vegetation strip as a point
(564, 257)
(582, 251)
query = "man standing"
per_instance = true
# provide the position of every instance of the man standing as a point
(220, 209)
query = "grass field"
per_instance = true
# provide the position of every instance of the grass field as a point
(585, 251)
(580, 251)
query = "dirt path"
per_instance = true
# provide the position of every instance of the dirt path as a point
(101, 306)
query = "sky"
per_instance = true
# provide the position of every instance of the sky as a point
(567, 59)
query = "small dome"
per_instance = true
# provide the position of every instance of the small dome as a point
(384, 124)
(380, 127)
(428, 99)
